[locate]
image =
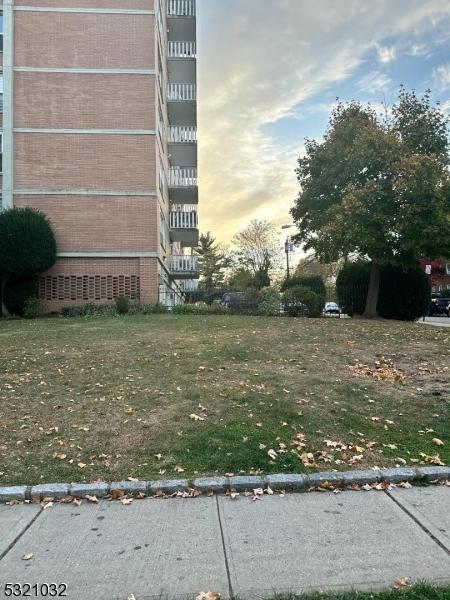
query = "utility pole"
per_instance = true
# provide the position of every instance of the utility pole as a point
(288, 247)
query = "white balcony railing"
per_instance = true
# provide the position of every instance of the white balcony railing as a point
(183, 264)
(184, 217)
(183, 176)
(181, 92)
(181, 8)
(182, 50)
(189, 285)
(181, 134)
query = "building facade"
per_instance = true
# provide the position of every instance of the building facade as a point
(99, 132)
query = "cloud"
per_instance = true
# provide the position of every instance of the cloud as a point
(386, 54)
(262, 60)
(375, 82)
(441, 77)
(420, 50)
(445, 108)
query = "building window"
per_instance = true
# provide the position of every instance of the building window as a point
(1, 32)
(1, 90)
(1, 153)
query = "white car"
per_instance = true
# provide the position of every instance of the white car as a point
(332, 308)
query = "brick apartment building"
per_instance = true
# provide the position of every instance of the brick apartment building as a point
(99, 132)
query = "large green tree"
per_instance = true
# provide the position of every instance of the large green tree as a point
(212, 262)
(27, 245)
(377, 189)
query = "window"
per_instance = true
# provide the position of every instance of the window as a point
(1, 32)
(1, 93)
(447, 268)
(1, 153)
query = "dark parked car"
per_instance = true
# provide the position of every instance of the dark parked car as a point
(239, 301)
(439, 305)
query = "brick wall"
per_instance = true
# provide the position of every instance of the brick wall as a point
(92, 162)
(78, 101)
(81, 40)
(130, 226)
(124, 4)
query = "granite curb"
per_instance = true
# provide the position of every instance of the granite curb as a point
(293, 482)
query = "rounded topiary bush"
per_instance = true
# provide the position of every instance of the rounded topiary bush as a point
(122, 305)
(404, 293)
(300, 301)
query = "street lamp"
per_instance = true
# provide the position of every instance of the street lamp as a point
(288, 247)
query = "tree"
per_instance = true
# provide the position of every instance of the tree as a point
(256, 250)
(377, 190)
(212, 262)
(27, 245)
(241, 279)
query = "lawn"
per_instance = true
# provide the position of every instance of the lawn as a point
(169, 396)
(419, 592)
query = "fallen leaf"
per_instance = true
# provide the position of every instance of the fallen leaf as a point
(208, 596)
(400, 583)
(437, 441)
(27, 556)
(126, 501)
(273, 455)
(92, 498)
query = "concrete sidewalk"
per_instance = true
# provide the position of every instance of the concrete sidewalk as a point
(179, 547)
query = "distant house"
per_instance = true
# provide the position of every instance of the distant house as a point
(440, 272)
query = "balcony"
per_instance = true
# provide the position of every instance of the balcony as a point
(181, 8)
(180, 134)
(189, 285)
(182, 177)
(184, 267)
(182, 142)
(182, 50)
(182, 92)
(184, 224)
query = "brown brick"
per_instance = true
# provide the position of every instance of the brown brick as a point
(84, 101)
(131, 225)
(72, 40)
(91, 162)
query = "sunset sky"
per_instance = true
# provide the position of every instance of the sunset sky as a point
(269, 72)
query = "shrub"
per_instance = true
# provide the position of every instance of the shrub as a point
(122, 305)
(17, 292)
(301, 301)
(199, 309)
(404, 293)
(269, 302)
(352, 285)
(147, 309)
(34, 308)
(314, 283)
(89, 310)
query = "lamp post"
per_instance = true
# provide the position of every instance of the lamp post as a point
(288, 247)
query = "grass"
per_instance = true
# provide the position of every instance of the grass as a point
(111, 398)
(419, 592)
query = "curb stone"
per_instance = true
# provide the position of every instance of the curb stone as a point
(81, 490)
(130, 487)
(52, 490)
(289, 481)
(169, 486)
(15, 492)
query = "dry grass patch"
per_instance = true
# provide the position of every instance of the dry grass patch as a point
(82, 399)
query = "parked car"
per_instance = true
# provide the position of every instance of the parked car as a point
(439, 305)
(239, 301)
(332, 308)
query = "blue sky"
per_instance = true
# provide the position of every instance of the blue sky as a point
(269, 74)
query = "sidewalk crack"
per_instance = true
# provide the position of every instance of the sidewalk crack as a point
(17, 538)
(227, 566)
(419, 523)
